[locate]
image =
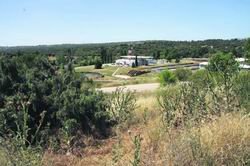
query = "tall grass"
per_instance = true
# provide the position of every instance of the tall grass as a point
(224, 141)
(3, 157)
(221, 140)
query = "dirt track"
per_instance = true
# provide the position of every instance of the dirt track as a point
(137, 87)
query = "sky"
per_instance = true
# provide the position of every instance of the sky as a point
(38, 22)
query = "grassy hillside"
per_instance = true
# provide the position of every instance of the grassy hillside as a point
(52, 115)
(221, 140)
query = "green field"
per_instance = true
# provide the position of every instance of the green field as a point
(108, 80)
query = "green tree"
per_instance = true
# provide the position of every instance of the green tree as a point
(158, 54)
(61, 59)
(103, 54)
(136, 61)
(98, 63)
(169, 57)
(177, 59)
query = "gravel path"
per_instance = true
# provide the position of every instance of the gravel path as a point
(136, 87)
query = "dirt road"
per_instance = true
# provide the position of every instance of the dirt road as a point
(137, 88)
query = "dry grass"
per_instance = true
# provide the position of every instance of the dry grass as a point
(223, 140)
(3, 157)
(228, 139)
(147, 107)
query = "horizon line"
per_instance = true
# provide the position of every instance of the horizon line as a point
(117, 42)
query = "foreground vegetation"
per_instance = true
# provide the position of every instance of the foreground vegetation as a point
(220, 140)
(52, 115)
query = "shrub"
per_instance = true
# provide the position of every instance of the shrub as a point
(137, 153)
(182, 103)
(121, 105)
(15, 154)
(223, 68)
(201, 79)
(84, 109)
(183, 74)
(38, 101)
(167, 77)
(70, 127)
(177, 60)
(242, 89)
(224, 64)
(168, 100)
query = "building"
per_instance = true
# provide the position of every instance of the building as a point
(130, 59)
(243, 64)
(241, 61)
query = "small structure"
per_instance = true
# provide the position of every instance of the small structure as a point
(243, 64)
(240, 60)
(203, 65)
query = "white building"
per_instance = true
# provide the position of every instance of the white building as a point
(130, 60)
(243, 64)
(241, 61)
(203, 65)
(245, 67)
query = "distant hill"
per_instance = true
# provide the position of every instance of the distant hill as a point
(147, 48)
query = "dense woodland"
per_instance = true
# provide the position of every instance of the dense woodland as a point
(87, 54)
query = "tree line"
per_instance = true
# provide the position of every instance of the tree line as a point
(88, 54)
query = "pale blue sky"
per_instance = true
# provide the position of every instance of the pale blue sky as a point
(33, 22)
